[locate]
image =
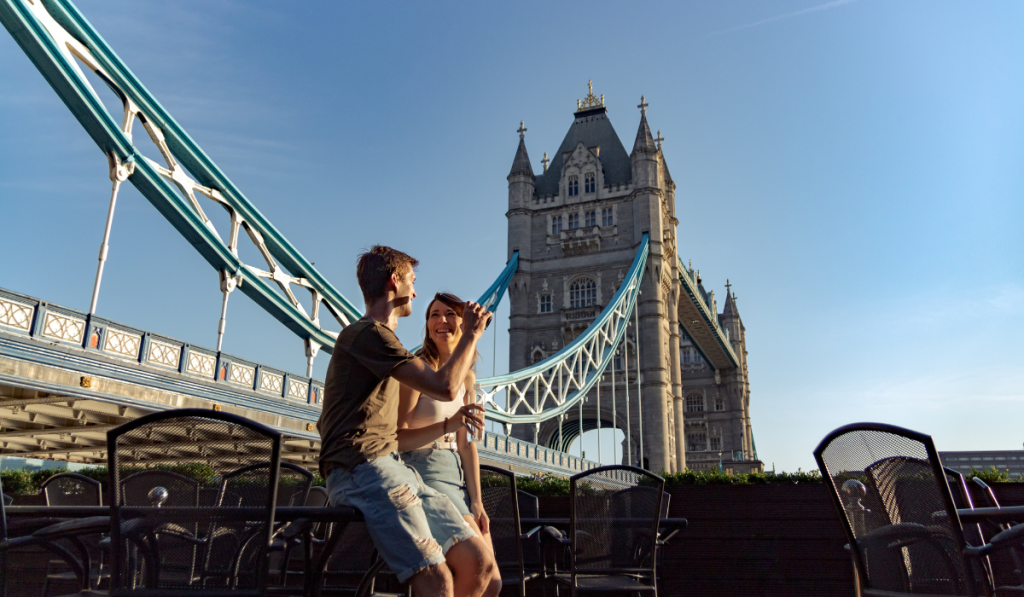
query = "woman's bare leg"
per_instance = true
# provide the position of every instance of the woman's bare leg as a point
(494, 587)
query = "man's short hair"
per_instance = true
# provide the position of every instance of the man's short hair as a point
(375, 267)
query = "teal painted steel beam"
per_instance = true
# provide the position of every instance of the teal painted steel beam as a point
(37, 39)
(710, 319)
(586, 358)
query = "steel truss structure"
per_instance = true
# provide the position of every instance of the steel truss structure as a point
(552, 387)
(58, 39)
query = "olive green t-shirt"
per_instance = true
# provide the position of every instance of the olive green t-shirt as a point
(359, 421)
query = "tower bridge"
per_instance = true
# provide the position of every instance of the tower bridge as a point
(608, 328)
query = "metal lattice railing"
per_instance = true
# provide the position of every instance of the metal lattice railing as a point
(57, 38)
(552, 387)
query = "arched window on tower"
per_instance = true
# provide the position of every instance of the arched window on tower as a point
(544, 305)
(686, 356)
(695, 402)
(582, 293)
(574, 185)
(574, 221)
(591, 219)
(719, 404)
(589, 182)
(556, 224)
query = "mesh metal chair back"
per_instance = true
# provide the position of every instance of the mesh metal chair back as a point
(71, 489)
(529, 507)
(614, 516)
(163, 539)
(317, 497)
(293, 485)
(895, 501)
(181, 491)
(498, 494)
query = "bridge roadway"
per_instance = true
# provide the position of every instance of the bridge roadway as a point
(66, 378)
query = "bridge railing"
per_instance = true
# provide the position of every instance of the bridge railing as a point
(57, 37)
(50, 323)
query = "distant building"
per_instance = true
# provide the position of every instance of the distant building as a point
(1011, 461)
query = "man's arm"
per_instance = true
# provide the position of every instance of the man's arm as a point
(444, 384)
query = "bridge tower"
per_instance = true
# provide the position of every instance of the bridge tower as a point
(577, 226)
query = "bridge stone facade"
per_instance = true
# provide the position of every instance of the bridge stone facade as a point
(577, 225)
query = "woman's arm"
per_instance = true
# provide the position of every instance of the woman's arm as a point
(471, 465)
(414, 439)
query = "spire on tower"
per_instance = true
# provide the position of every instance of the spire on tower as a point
(521, 163)
(545, 161)
(729, 310)
(591, 101)
(644, 139)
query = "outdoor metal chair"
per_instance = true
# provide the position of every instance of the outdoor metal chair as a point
(72, 489)
(500, 500)
(284, 556)
(533, 555)
(63, 540)
(1013, 553)
(899, 514)
(159, 539)
(351, 566)
(613, 530)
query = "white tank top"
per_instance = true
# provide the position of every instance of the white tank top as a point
(429, 410)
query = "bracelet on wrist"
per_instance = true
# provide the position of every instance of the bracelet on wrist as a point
(444, 427)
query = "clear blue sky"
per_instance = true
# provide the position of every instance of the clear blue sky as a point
(855, 168)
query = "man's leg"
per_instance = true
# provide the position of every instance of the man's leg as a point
(386, 492)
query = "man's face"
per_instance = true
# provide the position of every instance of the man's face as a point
(405, 291)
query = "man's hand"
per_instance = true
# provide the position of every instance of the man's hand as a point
(470, 416)
(475, 319)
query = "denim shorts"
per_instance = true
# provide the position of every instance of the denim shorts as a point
(442, 471)
(412, 525)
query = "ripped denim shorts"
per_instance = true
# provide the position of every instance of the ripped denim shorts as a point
(412, 525)
(442, 471)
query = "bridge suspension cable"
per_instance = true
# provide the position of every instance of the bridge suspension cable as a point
(555, 385)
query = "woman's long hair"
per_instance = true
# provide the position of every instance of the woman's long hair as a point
(428, 352)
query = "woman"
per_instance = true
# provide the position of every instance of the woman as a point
(432, 434)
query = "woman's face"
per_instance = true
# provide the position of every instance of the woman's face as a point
(443, 324)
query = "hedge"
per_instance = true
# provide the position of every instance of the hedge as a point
(24, 482)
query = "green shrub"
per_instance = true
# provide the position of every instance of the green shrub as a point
(18, 482)
(544, 485)
(994, 475)
(717, 477)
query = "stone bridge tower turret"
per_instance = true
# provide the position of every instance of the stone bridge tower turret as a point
(577, 225)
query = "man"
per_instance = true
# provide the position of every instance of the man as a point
(418, 532)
